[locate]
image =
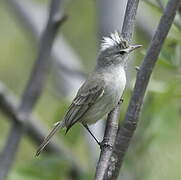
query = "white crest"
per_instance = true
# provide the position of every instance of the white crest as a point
(111, 41)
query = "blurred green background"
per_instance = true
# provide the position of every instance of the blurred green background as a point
(155, 150)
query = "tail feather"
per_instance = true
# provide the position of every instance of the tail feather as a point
(47, 139)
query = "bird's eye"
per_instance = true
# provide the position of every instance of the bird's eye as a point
(122, 52)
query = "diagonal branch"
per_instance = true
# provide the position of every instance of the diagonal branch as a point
(34, 87)
(126, 131)
(38, 76)
(112, 120)
(64, 59)
(176, 21)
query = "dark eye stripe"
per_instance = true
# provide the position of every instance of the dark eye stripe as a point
(120, 53)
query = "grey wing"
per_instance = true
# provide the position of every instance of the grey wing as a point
(86, 97)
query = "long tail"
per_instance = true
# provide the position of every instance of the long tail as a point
(47, 139)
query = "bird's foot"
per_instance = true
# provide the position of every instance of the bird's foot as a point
(121, 101)
(105, 145)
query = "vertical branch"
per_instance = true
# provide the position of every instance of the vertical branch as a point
(129, 19)
(33, 89)
(126, 131)
(108, 142)
(111, 127)
(107, 13)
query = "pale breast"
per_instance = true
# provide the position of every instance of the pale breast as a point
(115, 84)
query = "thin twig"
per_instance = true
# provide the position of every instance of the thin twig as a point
(34, 86)
(111, 126)
(126, 131)
(108, 142)
(129, 19)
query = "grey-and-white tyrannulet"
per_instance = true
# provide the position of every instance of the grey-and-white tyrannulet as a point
(103, 88)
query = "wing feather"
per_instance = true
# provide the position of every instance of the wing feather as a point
(85, 98)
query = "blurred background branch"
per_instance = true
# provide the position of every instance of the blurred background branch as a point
(35, 130)
(67, 66)
(33, 88)
(66, 63)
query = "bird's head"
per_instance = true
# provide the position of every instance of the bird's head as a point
(115, 49)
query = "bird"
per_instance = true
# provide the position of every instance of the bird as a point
(103, 88)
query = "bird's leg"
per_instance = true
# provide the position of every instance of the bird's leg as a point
(86, 126)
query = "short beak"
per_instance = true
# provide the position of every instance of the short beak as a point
(133, 47)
